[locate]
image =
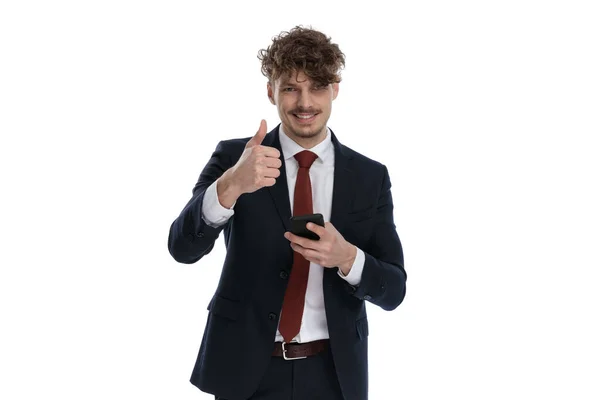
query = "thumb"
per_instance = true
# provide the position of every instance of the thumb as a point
(260, 135)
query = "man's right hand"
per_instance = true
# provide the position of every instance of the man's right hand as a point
(257, 167)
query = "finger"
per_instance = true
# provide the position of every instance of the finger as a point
(267, 181)
(310, 255)
(271, 152)
(271, 173)
(318, 229)
(266, 151)
(260, 135)
(297, 248)
(272, 162)
(304, 242)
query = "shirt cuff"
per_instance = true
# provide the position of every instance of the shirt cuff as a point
(355, 274)
(213, 213)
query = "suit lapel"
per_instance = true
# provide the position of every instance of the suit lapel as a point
(343, 192)
(279, 191)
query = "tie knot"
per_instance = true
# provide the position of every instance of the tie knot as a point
(305, 158)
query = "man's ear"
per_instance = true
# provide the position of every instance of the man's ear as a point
(270, 93)
(336, 89)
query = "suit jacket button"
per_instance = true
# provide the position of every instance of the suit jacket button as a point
(283, 275)
(367, 297)
(272, 316)
(200, 234)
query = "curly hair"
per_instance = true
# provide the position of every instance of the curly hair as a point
(306, 50)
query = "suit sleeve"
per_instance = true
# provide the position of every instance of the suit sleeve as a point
(213, 213)
(383, 280)
(190, 237)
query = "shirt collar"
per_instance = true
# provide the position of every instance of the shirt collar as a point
(291, 148)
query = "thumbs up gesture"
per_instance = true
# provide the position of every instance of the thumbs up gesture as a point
(258, 166)
(260, 135)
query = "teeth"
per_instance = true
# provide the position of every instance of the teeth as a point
(305, 116)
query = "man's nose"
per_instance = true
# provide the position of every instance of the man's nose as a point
(305, 100)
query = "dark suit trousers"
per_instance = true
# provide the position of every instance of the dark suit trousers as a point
(311, 378)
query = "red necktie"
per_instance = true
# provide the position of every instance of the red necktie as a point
(293, 302)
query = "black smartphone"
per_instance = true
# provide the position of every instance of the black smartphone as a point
(299, 225)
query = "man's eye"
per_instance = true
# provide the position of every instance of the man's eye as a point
(288, 89)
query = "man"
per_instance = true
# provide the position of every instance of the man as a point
(288, 319)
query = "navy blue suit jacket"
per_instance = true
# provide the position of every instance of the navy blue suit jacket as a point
(244, 311)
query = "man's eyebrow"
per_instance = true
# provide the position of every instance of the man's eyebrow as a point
(291, 83)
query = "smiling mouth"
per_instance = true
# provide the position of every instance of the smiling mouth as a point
(304, 118)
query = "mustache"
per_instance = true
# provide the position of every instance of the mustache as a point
(305, 111)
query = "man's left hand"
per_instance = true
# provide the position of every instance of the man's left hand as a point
(332, 250)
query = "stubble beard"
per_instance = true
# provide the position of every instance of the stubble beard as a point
(308, 134)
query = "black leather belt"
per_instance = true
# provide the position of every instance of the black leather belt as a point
(296, 351)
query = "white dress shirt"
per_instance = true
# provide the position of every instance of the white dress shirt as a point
(314, 320)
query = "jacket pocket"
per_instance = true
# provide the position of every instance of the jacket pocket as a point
(362, 328)
(358, 216)
(224, 307)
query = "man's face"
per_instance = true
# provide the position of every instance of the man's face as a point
(304, 106)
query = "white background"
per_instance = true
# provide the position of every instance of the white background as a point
(485, 112)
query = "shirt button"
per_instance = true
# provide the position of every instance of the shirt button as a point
(272, 316)
(367, 297)
(283, 275)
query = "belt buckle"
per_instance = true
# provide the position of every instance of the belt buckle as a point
(288, 358)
